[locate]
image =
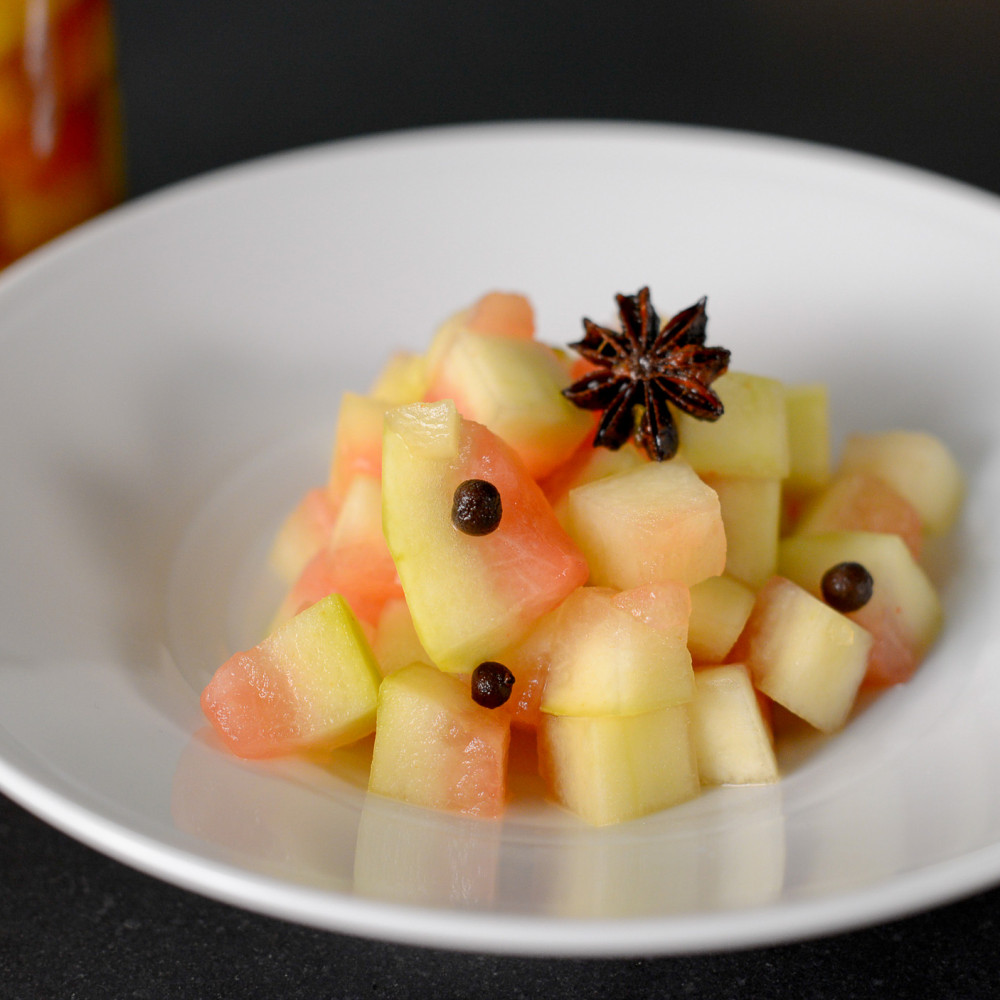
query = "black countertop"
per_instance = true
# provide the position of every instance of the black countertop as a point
(207, 83)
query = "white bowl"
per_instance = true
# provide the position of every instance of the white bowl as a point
(169, 383)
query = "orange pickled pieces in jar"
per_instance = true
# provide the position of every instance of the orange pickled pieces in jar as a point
(61, 156)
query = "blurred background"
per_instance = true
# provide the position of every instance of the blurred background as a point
(205, 83)
(208, 83)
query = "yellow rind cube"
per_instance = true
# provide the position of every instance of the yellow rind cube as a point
(731, 736)
(656, 522)
(614, 768)
(803, 654)
(749, 439)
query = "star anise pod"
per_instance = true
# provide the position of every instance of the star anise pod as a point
(645, 366)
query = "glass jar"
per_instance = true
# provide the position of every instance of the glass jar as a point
(61, 158)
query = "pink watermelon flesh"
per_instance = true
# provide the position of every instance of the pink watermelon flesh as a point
(504, 314)
(363, 574)
(531, 559)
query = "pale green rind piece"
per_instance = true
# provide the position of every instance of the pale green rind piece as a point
(615, 768)
(806, 656)
(751, 514)
(731, 737)
(435, 747)
(606, 661)
(330, 667)
(454, 613)
(654, 523)
(899, 581)
(751, 436)
(808, 410)
(720, 607)
(514, 387)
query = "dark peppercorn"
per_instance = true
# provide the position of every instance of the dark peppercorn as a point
(492, 683)
(476, 509)
(847, 586)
